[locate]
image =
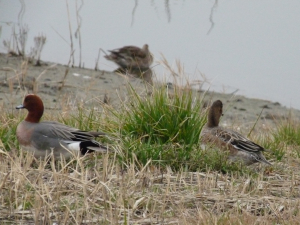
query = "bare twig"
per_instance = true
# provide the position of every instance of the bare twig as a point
(167, 9)
(71, 39)
(64, 79)
(97, 60)
(258, 117)
(77, 32)
(211, 16)
(133, 11)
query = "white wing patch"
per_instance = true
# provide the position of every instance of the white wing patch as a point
(75, 146)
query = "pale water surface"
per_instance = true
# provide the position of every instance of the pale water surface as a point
(253, 47)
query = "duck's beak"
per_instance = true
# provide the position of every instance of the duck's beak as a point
(20, 107)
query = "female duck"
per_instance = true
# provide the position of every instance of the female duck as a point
(131, 57)
(240, 148)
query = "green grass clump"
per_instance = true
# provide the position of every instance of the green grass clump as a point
(162, 119)
(161, 127)
(9, 123)
(275, 147)
(285, 139)
(289, 133)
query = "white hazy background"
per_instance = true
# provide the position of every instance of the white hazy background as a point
(253, 46)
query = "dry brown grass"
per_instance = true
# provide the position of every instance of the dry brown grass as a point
(98, 190)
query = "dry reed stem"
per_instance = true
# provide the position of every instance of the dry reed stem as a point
(97, 60)
(165, 63)
(79, 19)
(64, 79)
(71, 59)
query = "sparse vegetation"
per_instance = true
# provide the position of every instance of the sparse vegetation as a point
(39, 42)
(16, 45)
(288, 132)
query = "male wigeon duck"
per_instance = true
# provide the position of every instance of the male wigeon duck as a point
(131, 57)
(44, 137)
(240, 148)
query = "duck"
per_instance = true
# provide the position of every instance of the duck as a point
(131, 57)
(240, 148)
(42, 138)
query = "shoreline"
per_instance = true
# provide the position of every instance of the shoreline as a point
(52, 81)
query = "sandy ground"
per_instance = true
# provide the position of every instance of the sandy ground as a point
(54, 82)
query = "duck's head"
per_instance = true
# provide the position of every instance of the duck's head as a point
(35, 107)
(214, 114)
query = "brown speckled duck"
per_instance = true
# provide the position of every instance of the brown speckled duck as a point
(131, 57)
(240, 148)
